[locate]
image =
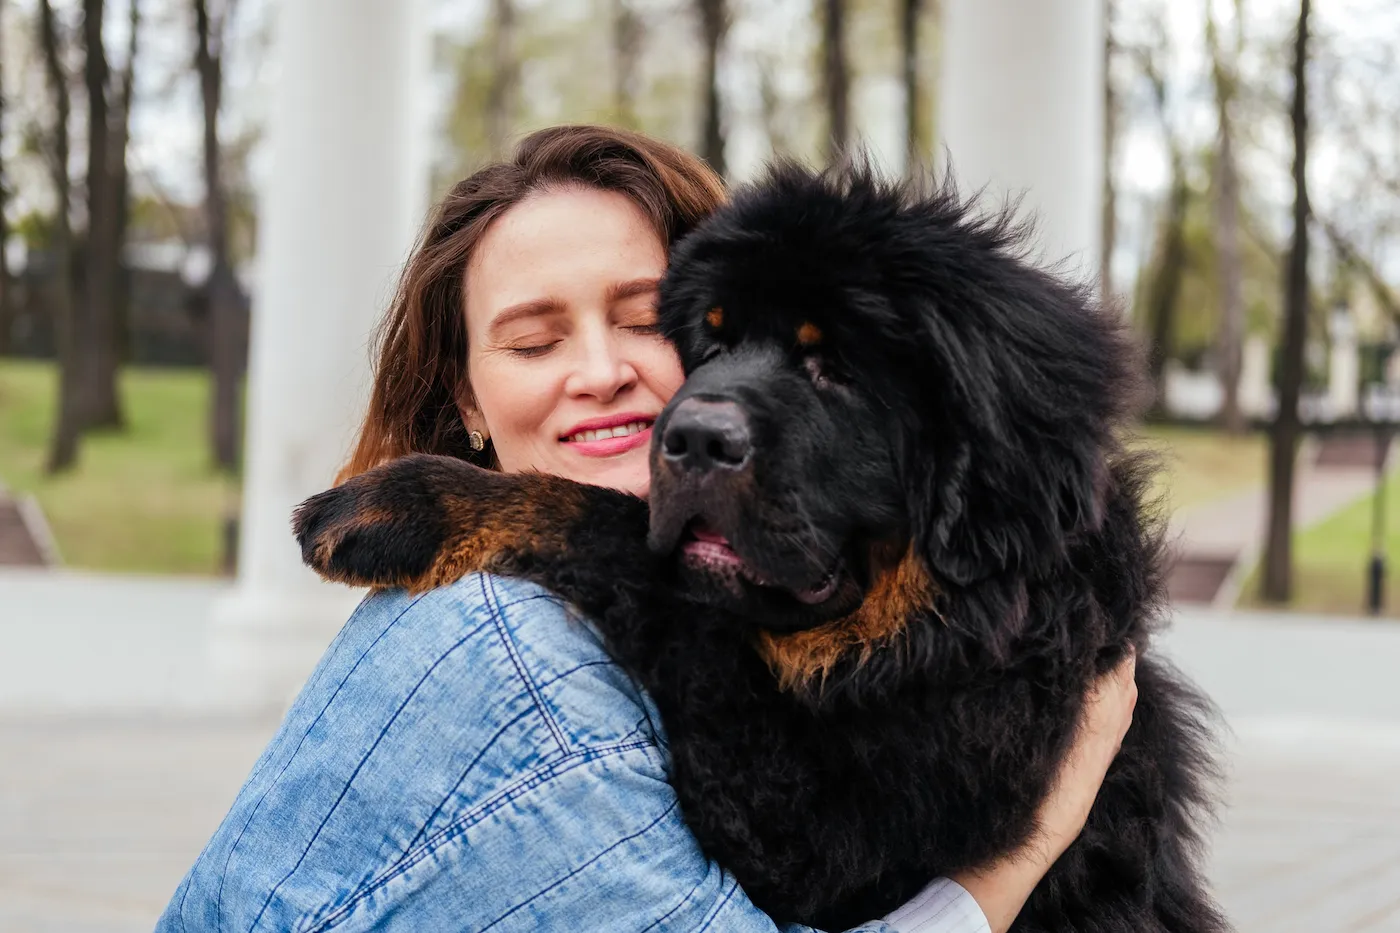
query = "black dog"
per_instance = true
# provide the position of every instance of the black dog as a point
(893, 540)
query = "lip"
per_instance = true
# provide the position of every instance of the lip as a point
(711, 550)
(613, 445)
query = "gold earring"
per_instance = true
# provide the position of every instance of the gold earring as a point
(477, 440)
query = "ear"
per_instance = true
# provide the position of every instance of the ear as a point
(1025, 384)
(471, 415)
(975, 517)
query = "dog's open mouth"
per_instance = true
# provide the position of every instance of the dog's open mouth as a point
(711, 551)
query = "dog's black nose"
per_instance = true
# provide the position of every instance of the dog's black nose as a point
(707, 436)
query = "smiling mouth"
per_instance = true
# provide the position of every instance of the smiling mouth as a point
(707, 550)
(603, 434)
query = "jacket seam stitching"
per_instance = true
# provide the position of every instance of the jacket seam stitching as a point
(559, 881)
(493, 606)
(466, 821)
(689, 896)
(383, 731)
(219, 899)
(714, 914)
(471, 766)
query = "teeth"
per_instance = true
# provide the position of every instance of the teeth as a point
(602, 434)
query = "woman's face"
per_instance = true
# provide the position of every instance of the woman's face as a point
(567, 371)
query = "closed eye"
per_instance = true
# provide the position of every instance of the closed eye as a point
(817, 372)
(529, 352)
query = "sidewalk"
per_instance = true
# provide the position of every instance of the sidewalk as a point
(117, 761)
(1216, 542)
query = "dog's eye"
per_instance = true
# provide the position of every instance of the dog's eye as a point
(711, 352)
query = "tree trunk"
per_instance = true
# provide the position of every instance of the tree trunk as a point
(221, 289)
(5, 294)
(713, 23)
(121, 182)
(1278, 546)
(627, 50)
(836, 79)
(98, 331)
(1230, 338)
(1110, 146)
(505, 80)
(1165, 285)
(913, 100)
(63, 444)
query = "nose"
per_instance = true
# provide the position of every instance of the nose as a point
(706, 436)
(599, 369)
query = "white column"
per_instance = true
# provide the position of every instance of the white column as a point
(1344, 368)
(1256, 384)
(338, 215)
(1021, 111)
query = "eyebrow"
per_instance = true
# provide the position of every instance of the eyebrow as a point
(540, 307)
(620, 291)
(536, 307)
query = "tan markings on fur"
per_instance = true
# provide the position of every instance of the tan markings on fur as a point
(803, 659)
(359, 520)
(534, 518)
(809, 334)
(715, 317)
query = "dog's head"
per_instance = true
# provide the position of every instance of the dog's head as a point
(882, 395)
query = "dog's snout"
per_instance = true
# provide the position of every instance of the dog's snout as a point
(705, 436)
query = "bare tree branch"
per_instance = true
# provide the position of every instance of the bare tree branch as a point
(1350, 253)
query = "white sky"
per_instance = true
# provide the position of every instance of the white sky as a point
(166, 122)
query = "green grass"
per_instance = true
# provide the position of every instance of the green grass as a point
(147, 500)
(1201, 464)
(1330, 560)
(144, 499)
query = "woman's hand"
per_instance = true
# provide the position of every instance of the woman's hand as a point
(1001, 889)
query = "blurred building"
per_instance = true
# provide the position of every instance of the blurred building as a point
(163, 319)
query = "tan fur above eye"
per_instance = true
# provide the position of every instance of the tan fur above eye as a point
(715, 318)
(809, 334)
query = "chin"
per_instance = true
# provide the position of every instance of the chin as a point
(630, 477)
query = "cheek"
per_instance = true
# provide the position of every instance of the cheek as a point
(515, 402)
(663, 371)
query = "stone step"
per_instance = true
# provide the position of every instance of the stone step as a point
(1196, 579)
(1347, 449)
(18, 545)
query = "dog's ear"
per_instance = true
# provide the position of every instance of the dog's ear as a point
(1027, 383)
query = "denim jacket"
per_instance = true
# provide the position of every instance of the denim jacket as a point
(467, 759)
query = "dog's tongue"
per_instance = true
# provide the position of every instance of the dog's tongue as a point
(702, 533)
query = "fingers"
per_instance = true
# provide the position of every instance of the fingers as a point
(1112, 701)
(1107, 714)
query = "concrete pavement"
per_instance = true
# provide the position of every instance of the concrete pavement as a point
(117, 758)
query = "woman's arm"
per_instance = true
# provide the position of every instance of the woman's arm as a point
(467, 760)
(1001, 889)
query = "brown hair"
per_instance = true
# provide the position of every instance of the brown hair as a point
(420, 369)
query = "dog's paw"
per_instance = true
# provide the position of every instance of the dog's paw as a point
(386, 527)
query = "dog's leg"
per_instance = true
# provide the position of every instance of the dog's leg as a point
(423, 521)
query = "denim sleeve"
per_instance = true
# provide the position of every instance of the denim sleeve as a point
(470, 759)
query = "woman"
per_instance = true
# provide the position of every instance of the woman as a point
(472, 759)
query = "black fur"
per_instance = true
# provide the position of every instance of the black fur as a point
(959, 406)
